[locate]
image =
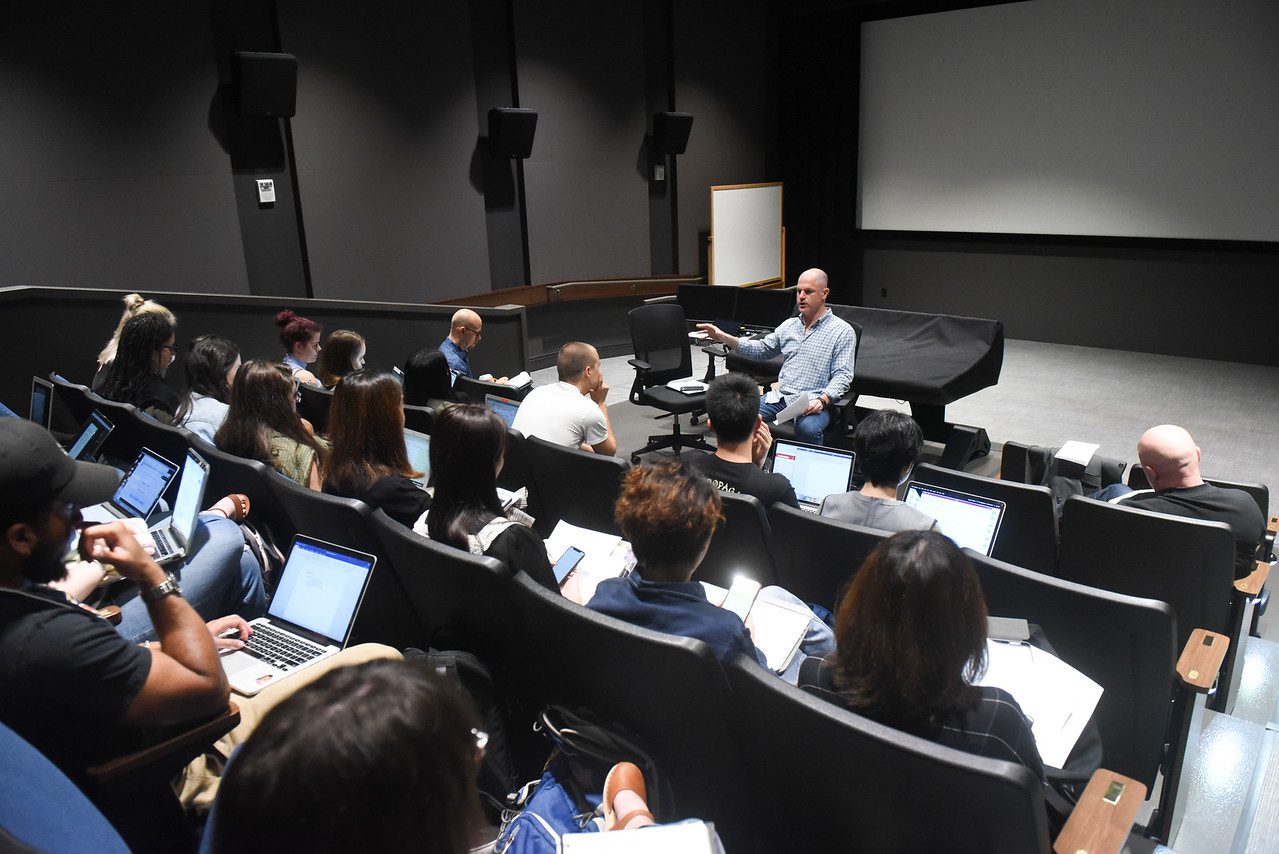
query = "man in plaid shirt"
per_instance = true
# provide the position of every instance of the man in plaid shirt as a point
(818, 349)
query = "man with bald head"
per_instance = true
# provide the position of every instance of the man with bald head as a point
(465, 331)
(571, 412)
(818, 348)
(1170, 459)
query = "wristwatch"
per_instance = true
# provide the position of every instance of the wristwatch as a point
(168, 587)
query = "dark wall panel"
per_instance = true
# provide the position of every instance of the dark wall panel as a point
(721, 78)
(109, 173)
(581, 66)
(384, 141)
(1210, 305)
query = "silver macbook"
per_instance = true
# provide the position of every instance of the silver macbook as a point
(970, 520)
(139, 492)
(814, 471)
(310, 618)
(503, 406)
(418, 446)
(41, 402)
(173, 535)
(95, 432)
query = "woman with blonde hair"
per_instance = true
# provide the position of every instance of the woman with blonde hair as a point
(134, 305)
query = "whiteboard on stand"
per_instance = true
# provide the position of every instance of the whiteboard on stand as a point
(748, 241)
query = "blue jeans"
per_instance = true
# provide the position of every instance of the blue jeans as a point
(808, 428)
(218, 578)
(1111, 492)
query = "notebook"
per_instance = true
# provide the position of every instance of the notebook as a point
(41, 401)
(310, 618)
(418, 446)
(503, 406)
(813, 470)
(95, 432)
(138, 493)
(173, 535)
(970, 520)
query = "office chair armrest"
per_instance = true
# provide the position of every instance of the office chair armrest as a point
(640, 365)
(1102, 820)
(1251, 584)
(1201, 660)
(186, 742)
(716, 349)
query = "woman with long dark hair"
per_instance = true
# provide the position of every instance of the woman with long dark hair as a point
(427, 381)
(301, 339)
(910, 639)
(147, 347)
(262, 423)
(368, 459)
(342, 353)
(134, 305)
(467, 450)
(211, 365)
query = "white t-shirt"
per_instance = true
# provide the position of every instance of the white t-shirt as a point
(561, 414)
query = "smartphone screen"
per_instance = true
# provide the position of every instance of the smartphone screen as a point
(567, 563)
(741, 596)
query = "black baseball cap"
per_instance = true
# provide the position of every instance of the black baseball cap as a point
(33, 469)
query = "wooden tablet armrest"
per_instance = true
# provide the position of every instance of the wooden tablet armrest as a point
(1273, 525)
(189, 740)
(1103, 818)
(1251, 584)
(111, 613)
(1201, 660)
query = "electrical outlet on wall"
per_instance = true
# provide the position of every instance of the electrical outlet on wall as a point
(266, 191)
(659, 173)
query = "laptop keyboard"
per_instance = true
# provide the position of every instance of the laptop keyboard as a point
(279, 648)
(163, 545)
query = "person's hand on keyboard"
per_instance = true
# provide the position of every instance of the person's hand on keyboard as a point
(229, 632)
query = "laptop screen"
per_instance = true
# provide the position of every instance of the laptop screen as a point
(418, 446)
(321, 586)
(503, 407)
(186, 507)
(815, 472)
(970, 520)
(95, 432)
(41, 401)
(6, 412)
(146, 482)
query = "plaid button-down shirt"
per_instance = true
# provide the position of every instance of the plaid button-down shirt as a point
(818, 359)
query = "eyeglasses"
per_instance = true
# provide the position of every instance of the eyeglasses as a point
(173, 348)
(477, 333)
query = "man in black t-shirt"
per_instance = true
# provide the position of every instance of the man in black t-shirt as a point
(1170, 459)
(69, 683)
(743, 439)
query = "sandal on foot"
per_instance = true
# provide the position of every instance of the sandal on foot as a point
(622, 777)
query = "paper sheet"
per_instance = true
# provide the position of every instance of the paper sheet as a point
(604, 556)
(1056, 697)
(793, 409)
(688, 837)
(687, 385)
(1077, 452)
(777, 628)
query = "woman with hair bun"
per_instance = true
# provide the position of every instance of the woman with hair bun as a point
(134, 305)
(301, 339)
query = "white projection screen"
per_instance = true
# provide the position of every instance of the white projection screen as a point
(1122, 118)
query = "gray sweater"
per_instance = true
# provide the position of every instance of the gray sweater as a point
(882, 514)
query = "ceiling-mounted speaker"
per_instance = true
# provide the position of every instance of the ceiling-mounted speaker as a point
(670, 132)
(511, 131)
(266, 84)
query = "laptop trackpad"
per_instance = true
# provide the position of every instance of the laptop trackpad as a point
(243, 669)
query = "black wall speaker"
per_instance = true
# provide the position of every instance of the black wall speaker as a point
(670, 132)
(266, 84)
(511, 131)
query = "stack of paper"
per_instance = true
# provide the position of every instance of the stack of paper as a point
(605, 556)
(687, 837)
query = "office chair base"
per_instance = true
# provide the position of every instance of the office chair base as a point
(674, 440)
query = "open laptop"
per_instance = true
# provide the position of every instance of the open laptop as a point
(310, 618)
(418, 446)
(173, 535)
(813, 470)
(138, 493)
(970, 520)
(6, 412)
(41, 402)
(503, 406)
(95, 432)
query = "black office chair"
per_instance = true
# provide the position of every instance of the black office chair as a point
(825, 779)
(659, 335)
(385, 615)
(1028, 534)
(842, 411)
(817, 557)
(574, 485)
(668, 691)
(314, 406)
(473, 390)
(419, 418)
(741, 544)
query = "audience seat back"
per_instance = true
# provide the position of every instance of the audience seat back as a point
(314, 406)
(830, 780)
(474, 390)
(230, 474)
(74, 397)
(575, 486)
(1123, 643)
(817, 557)
(1259, 491)
(419, 418)
(1028, 534)
(742, 544)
